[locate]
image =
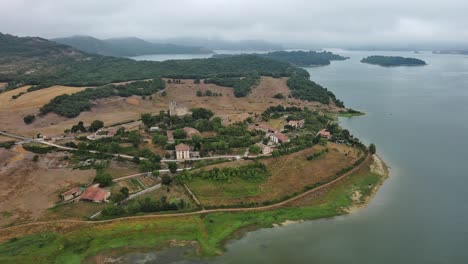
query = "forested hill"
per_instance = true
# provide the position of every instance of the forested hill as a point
(299, 58)
(126, 47)
(42, 63)
(389, 61)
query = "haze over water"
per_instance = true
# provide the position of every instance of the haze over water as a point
(418, 118)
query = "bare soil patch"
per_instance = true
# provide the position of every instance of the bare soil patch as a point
(28, 188)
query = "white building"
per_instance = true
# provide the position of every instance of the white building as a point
(182, 151)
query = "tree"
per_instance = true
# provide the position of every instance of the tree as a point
(196, 81)
(201, 113)
(208, 93)
(29, 119)
(96, 125)
(278, 96)
(255, 149)
(172, 167)
(78, 127)
(124, 191)
(104, 179)
(147, 119)
(155, 173)
(160, 140)
(179, 134)
(199, 93)
(164, 93)
(166, 179)
(135, 138)
(35, 158)
(136, 159)
(372, 148)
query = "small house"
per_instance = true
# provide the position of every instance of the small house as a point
(95, 194)
(182, 151)
(71, 194)
(324, 134)
(279, 138)
(265, 149)
(296, 123)
(153, 129)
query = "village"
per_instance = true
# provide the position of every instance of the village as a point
(177, 141)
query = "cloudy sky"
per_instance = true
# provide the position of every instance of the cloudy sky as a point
(328, 23)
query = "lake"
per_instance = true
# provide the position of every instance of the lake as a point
(418, 118)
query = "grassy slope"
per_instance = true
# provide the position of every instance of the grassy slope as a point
(208, 230)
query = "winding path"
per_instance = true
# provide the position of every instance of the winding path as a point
(203, 211)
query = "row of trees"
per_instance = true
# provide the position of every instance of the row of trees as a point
(71, 105)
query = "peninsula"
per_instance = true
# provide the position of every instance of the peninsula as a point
(112, 153)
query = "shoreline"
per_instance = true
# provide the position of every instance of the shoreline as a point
(210, 231)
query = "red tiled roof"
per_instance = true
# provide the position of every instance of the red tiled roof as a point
(281, 137)
(182, 147)
(94, 194)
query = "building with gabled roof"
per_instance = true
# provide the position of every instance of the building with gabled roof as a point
(182, 151)
(95, 194)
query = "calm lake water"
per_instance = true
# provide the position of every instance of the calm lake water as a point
(418, 118)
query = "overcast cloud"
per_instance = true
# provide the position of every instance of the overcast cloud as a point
(330, 23)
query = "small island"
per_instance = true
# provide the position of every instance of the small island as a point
(392, 61)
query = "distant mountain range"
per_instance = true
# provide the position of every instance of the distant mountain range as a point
(220, 44)
(127, 47)
(460, 52)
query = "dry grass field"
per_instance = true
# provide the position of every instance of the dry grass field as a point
(117, 109)
(28, 188)
(289, 174)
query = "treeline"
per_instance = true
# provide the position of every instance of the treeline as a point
(71, 105)
(242, 86)
(298, 58)
(305, 89)
(252, 172)
(317, 154)
(146, 205)
(304, 58)
(388, 61)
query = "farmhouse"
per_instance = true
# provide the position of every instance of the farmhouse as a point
(279, 138)
(182, 151)
(71, 194)
(265, 149)
(176, 109)
(296, 123)
(95, 194)
(104, 133)
(324, 134)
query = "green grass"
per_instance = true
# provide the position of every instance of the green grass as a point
(209, 230)
(209, 191)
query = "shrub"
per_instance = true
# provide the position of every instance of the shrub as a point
(29, 119)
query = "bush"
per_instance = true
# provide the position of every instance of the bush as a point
(278, 96)
(104, 179)
(29, 119)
